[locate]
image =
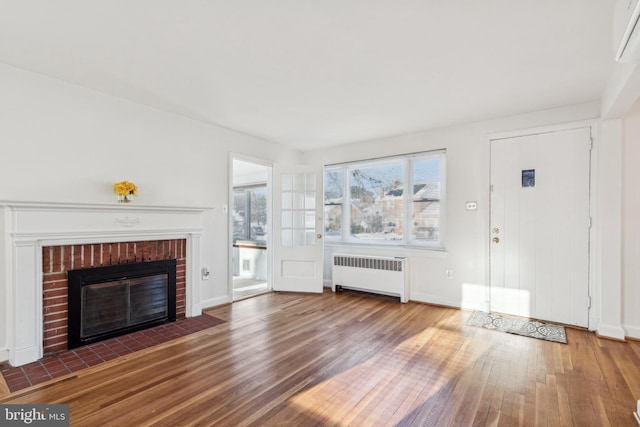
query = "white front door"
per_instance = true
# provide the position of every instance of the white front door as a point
(297, 227)
(540, 226)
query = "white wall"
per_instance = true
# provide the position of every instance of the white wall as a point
(468, 179)
(607, 230)
(631, 222)
(60, 142)
(64, 143)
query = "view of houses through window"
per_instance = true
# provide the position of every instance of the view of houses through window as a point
(250, 213)
(368, 202)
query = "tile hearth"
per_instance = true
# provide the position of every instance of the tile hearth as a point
(69, 361)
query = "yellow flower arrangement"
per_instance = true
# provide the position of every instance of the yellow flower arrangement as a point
(125, 188)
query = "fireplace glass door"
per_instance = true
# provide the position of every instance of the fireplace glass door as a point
(105, 302)
(122, 303)
(103, 307)
(148, 298)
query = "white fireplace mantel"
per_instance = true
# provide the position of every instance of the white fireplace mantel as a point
(26, 227)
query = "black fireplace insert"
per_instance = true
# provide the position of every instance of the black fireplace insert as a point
(106, 302)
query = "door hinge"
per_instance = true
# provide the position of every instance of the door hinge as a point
(491, 188)
(590, 143)
(589, 302)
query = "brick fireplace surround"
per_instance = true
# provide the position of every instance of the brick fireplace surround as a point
(57, 260)
(40, 242)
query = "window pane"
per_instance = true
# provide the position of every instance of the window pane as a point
(239, 212)
(287, 219)
(426, 199)
(258, 215)
(333, 192)
(298, 200)
(298, 219)
(310, 220)
(298, 181)
(377, 201)
(287, 182)
(249, 213)
(373, 200)
(310, 237)
(310, 200)
(310, 182)
(287, 201)
(298, 205)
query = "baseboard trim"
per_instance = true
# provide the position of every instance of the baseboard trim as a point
(632, 332)
(212, 302)
(435, 300)
(611, 332)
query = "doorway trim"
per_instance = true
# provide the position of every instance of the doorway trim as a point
(269, 165)
(595, 237)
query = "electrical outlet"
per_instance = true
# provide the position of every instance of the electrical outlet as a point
(448, 273)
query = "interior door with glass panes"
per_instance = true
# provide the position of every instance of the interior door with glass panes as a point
(297, 229)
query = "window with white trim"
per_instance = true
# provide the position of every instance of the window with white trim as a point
(392, 201)
(250, 212)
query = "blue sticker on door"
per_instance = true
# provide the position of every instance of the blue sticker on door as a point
(529, 178)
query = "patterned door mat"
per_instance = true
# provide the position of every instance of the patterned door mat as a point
(526, 328)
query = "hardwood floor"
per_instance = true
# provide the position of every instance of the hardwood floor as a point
(352, 359)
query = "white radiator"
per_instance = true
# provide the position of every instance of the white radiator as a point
(382, 275)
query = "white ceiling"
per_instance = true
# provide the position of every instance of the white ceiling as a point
(312, 74)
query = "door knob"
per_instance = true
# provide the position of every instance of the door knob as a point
(496, 240)
(319, 236)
